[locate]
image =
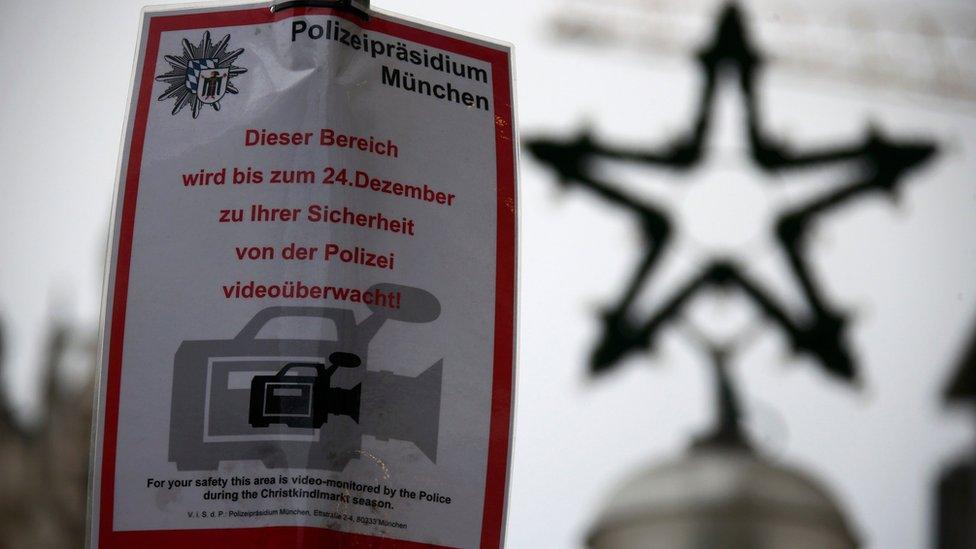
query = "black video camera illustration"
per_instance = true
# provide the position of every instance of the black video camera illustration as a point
(304, 401)
(268, 395)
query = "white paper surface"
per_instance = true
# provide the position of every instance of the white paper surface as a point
(376, 235)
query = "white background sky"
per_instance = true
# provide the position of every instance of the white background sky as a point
(905, 270)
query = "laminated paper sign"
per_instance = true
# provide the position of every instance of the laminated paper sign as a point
(309, 321)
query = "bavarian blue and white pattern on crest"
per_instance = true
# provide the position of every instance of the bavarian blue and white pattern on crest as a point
(194, 67)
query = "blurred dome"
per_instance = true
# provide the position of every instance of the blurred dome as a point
(721, 498)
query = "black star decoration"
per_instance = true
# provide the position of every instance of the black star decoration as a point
(882, 164)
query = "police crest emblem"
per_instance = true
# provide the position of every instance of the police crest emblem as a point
(202, 75)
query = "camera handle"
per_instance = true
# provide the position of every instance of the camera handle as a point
(337, 360)
(320, 370)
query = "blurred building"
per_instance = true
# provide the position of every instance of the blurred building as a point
(44, 465)
(720, 497)
(723, 493)
(956, 513)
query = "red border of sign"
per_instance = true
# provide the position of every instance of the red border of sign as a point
(502, 388)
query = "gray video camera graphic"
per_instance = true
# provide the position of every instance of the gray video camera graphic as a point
(302, 403)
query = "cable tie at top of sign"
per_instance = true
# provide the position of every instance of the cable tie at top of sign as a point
(357, 7)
